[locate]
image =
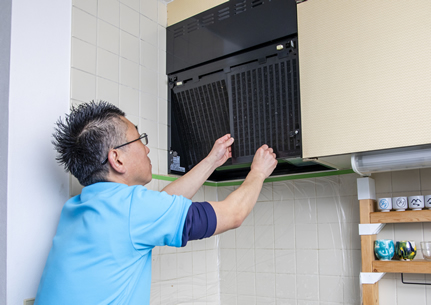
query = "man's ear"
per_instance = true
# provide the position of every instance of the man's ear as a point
(115, 159)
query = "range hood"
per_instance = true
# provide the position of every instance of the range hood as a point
(234, 69)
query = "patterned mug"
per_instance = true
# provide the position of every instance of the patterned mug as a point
(400, 203)
(384, 204)
(428, 202)
(406, 250)
(416, 203)
(384, 249)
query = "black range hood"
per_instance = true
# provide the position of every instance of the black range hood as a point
(234, 69)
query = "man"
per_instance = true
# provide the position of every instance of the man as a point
(101, 253)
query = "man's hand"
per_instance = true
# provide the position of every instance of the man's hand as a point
(232, 211)
(264, 161)
(189, 184)
(221, 150)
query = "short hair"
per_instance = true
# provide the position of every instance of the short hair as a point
(85, 138)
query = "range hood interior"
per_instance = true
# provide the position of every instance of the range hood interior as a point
(246, 85)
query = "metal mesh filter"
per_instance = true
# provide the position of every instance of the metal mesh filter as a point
(257, 101)
(265, 108)
(204, 118)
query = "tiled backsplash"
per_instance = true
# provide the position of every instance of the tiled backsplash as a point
(300, 245)
(119, 55)
(405, 183)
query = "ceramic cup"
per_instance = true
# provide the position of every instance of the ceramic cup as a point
(400, 203)
(384, 204)
(416, 202)
(406, 250)
(426, 250)
(384, 249)
(427, 202)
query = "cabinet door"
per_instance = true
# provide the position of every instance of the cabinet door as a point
(365, 75)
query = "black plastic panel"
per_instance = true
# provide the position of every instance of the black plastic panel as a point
(231, 27)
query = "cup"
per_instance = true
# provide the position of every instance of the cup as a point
(384, 204)
(416, 203)
(427, 202)
(426, 250)
(400, 203)
(406, 250)
(384, 249)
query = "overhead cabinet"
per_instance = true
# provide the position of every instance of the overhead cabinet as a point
(365, 75)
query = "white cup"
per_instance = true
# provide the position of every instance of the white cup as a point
(426, 250)
(400, 203)
(427, 202)
(416, 203)
(384, 204)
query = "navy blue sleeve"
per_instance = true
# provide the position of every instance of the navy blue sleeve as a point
(201, 222)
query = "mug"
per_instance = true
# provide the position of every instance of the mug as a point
(427, 202)
(384, 249)
(406, 250)
(400, 203)
(384, 204)
(416, 203)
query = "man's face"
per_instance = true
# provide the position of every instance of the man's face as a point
(138, 163)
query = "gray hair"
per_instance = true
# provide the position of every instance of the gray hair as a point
(85, 138)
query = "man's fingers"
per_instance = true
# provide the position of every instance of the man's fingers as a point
(264, 147)
(224, 138)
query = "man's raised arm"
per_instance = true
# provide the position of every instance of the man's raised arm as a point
(232, 211)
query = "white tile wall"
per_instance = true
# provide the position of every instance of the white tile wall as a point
(303, 248)
(404, 183)
(314, 254)
(119, 55)
(299, 245)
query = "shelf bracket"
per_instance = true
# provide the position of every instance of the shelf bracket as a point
(366, 188)
(370, 277)
(370, 228)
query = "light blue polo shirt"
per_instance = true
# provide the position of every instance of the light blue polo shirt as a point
(101, 253)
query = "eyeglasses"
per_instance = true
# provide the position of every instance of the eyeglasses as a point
(143, 137)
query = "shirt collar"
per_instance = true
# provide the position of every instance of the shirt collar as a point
(97, 188)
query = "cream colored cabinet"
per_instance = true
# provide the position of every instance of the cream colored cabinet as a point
(365, 75)
(365, 72)
(179, 10)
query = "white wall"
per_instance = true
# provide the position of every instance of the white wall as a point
(119, 55)
(38, 96)
(300, 245)
(405, 183)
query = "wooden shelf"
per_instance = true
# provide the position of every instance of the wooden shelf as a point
(404, 216)
(367, 215)
(414, 266)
